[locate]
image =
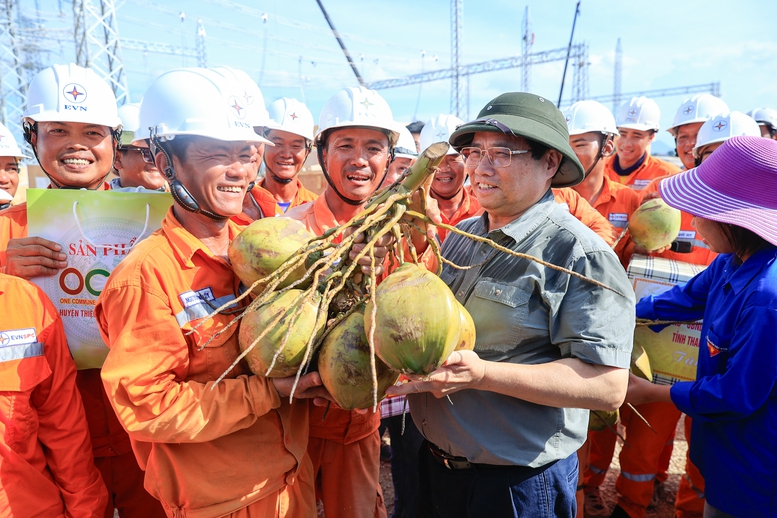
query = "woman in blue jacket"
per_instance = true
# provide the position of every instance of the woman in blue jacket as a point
(733, 402)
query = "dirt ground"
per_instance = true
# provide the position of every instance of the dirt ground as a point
(664, 509)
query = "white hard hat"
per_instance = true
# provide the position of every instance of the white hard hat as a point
(69, 93)
(8, 145)
(723, 127)
(589, 116)
(249, 93)
(699, 108)
(440, 129)
(359, 107)
(764, 116)
(196, 102)
(640, 113)
(130, 122)
(290, 115)
(405, 147)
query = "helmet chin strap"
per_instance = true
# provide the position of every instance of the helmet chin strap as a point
(29, 129)
(277, 178)
(320, 150)
(603, 143)
(180, 193)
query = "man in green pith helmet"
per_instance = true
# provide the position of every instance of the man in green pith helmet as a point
(550, 346)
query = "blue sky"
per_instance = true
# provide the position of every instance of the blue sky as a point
(665, 44)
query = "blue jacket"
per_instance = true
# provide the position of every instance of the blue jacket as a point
(733, 402)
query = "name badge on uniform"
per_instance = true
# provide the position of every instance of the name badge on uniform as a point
(641, 184)
(618, 219)
(686, 235)
(16, 344)
(192, 298)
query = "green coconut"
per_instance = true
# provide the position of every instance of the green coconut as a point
(263, 246)
(654, 224)
(344, 365)
(417, 320)
(467, 332)
(256, 322)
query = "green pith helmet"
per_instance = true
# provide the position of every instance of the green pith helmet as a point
(532, 117)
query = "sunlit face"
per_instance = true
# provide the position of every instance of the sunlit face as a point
(216, 173)
(135, 171)
(632, 144)
(507, 192)
(712, 234)
(356, 160)
(398, 167)
(74, 154)
(287, 157)
(449, 177)
(686, 141)
(9, 174)
(587, 147)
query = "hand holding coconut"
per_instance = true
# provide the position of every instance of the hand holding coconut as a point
(462, 370)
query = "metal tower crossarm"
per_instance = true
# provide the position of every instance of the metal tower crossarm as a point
(535, 58)
(97, 43)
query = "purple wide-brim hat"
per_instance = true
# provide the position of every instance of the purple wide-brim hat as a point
(737, 184)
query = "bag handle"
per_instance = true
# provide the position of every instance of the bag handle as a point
(110, 247)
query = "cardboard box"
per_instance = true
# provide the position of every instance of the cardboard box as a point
(674, 351)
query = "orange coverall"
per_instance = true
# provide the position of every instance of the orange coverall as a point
(269, 205)
(650, 169)
(587, 215)
(110, 444)
(207, 450)
(469, 207)
(46, 464)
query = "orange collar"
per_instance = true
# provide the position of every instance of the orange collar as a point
(184, 244)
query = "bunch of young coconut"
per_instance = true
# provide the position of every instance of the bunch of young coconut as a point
(309, 297)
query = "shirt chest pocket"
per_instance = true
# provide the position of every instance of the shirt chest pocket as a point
(499, 311)
(18, 416)
(214, 348)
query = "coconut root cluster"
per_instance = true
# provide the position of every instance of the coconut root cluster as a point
(313, 308)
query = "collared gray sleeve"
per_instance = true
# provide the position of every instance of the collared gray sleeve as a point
(592, 323)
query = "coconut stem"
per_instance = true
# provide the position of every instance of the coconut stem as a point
(371, 332)
(520, 255)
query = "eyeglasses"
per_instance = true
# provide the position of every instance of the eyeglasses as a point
(146, 152)
(498, 156)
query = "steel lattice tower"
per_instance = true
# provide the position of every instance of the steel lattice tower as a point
(616, 88)
(97, 43)
(457, 83)
(202, 49)
(580, 72)
(13, 80)
(526, 46)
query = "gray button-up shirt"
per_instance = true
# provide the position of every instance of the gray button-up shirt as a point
(527, 313)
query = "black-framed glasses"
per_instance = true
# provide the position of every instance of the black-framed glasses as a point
(498, 156)
(144, 151)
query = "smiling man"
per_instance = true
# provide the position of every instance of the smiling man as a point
(236, 449)
(455, 201)
(355, 141)
(72, 123)
(135, 164)
(633, 165)
(290, 129)
(549, 345)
